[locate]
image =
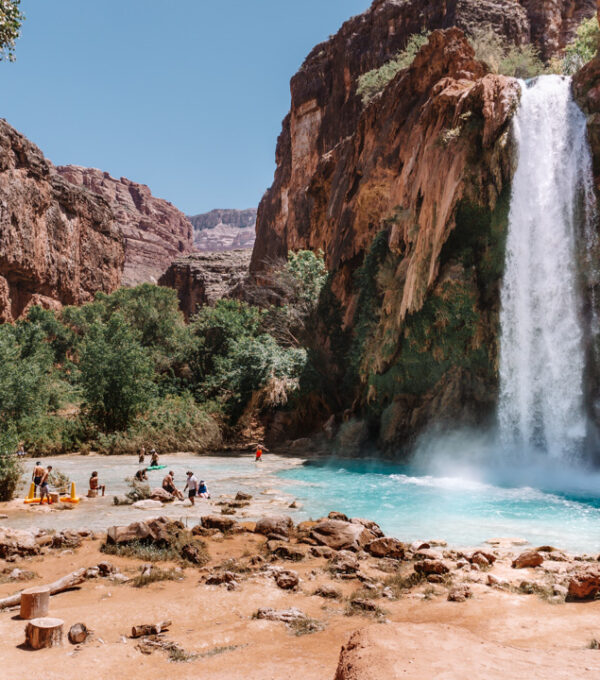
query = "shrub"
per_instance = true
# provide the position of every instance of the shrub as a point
(583, 48)
(517, 61)
(374, 81)
(10, 466)
(171, 424)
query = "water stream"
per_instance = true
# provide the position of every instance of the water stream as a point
(542, 331)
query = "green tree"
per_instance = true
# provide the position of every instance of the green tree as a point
(583, 48)
(10, 466)
(115, 374)
(11, 19)
(517, 61)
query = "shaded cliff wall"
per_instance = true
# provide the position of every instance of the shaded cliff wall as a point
(59, 243)
(155, 231)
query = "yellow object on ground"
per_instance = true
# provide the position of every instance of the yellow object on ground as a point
(73, 498)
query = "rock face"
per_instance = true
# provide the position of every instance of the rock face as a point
(202, 279)
(408, 199)
(155, 231)
(404, 206)
(60, 243)
(220, 230)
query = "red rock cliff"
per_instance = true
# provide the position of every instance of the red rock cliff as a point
(325, 108)
(59, 243)
(155, 231)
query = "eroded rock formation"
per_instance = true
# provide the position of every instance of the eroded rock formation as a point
(220, 230)
(204, 278)
(408, 200)
(155, 231)
(59, 242)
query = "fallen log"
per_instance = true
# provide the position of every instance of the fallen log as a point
(69, 581)
(149, 629)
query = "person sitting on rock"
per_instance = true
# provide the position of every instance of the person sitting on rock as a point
(154, 459)
(141, 475)
(36, 477)
(142, 455)
(44, 491)
(191, 485)
(21, 451)
(203, 491)
(94, 483)
(168, 484)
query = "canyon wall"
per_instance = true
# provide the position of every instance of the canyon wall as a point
(60, 243)
(408, 199)
(220, 230)
(155, 231)
(204, 278)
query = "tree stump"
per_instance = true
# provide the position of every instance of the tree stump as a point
(35, 602)
(54, 497)
(44, 632)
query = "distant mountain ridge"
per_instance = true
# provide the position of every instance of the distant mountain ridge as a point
(224, 229)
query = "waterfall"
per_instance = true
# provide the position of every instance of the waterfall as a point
(552, 208)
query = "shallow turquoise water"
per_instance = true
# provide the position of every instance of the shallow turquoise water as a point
(463, 510)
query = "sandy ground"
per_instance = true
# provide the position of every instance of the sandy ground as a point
(207, 619)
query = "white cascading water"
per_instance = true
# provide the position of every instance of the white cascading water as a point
(542, 337)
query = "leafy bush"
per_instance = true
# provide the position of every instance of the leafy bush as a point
(10, 466)
(583, 48)
(517, 61)
(116, 374)
(171, 424)
(374, 81)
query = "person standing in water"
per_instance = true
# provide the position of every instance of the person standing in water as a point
(259, 452)
(142, 455)
(154, 459)
(36, 477)
(44, 491)
(192, 486)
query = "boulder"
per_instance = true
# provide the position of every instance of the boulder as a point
(287, 579)
(329, 592)
(106, 568)
(242, 496)
(219, 522)
(322, 551)
(137, 531)
(338, 515)
(286, 615)
(482, 558)
(529, 558)
(340, 535)
(428, 567)
(17, 542)
(66, 539)
(386, 547)
(160, 494)
(373, 527)
(279, 525)
(221, 578)
(584, 584)
(344, 562)
(459, 594)
(285, 551)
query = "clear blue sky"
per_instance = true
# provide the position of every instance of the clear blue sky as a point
(186, 96)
